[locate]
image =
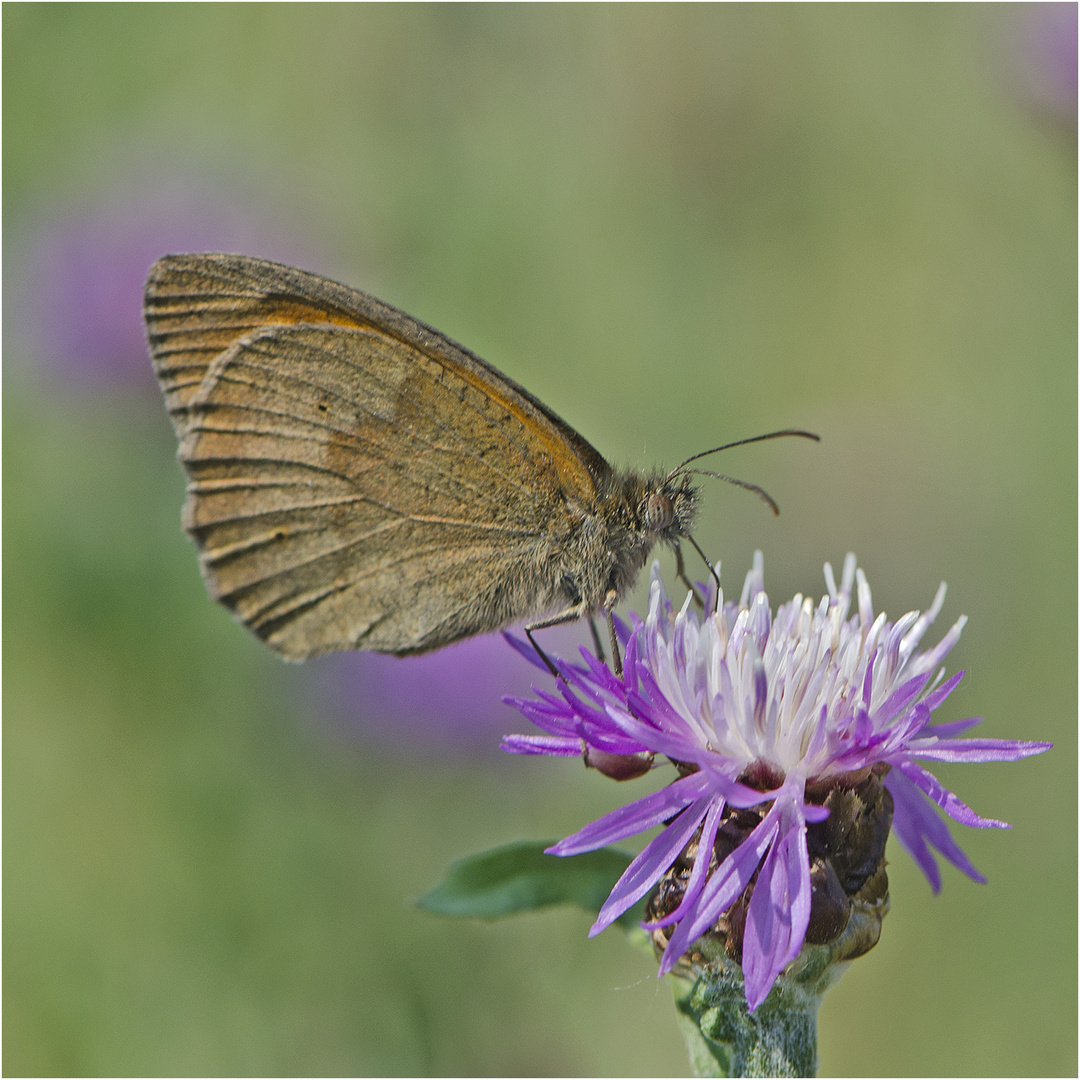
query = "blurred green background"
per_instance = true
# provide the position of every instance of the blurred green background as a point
(677, 226)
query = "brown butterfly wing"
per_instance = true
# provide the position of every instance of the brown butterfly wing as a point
(356, 481)
(196, 306)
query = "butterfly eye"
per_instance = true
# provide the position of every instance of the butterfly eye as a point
(659, 511)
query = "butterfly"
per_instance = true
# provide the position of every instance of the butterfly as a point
(357, 480)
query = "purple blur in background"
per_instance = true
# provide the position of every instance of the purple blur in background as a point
(77, 290)
(449, 701)
(1042, 58)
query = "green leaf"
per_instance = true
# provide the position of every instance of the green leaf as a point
(520, 877)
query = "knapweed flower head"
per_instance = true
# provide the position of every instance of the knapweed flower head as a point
(797, 738)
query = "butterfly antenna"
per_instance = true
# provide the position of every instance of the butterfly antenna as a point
(760, 492)
(742, 442)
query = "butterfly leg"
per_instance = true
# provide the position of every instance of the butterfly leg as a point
(598, 643)
(680, 573)
(712, 569)
(610, 601)
(569, 615)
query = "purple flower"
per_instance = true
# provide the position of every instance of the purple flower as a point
(769, 720)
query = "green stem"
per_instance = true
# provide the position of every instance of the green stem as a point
(723, 1038)
(780, 1038)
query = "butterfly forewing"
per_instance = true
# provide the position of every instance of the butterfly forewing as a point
(349, 467)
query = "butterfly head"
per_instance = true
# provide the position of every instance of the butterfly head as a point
(668, 507)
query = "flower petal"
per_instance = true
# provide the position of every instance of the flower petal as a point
(655, 859)
(727, 882)
(635, 817)
(975, 750)
(553, 745)
(955, 727)
(697, 878)
(916, 823)
(779, 912)
(954, 807)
